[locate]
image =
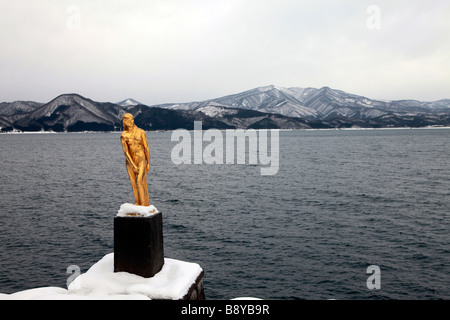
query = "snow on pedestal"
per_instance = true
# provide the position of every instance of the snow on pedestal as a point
(174, 282)
(128, 209)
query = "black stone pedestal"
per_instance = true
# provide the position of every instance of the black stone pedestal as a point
(138, 245)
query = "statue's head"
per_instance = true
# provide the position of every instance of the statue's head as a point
(127, 120)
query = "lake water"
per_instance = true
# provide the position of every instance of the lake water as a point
(341, 201)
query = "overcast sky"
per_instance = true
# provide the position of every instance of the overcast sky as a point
(189, 50)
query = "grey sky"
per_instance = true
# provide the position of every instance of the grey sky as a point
(187, 50)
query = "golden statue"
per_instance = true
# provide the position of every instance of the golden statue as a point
(137, 154)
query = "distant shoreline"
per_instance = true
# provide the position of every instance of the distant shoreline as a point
(306, 129)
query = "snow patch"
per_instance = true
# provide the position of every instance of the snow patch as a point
(171, 282)
(130, 210)
(100, 282)
(216, 110)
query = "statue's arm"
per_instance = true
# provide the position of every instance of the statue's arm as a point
(146, 150)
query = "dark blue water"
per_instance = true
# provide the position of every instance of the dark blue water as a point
(341, 201)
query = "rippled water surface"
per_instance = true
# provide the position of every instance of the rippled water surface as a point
(341, 201)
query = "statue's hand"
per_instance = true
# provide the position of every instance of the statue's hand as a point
(147, 168)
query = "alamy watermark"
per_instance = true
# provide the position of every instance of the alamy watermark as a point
(228, 147)
(373, 21)
(74, 272)
(74, 20)
(374, 281)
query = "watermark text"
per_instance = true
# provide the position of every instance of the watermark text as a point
(374, 281)
(238, 146)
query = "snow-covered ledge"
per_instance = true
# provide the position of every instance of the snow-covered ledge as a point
(128, 209)
(175, 281)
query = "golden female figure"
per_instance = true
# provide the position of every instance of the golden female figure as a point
(137, 155)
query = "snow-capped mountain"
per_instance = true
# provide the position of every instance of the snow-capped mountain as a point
(260, 108)
(70, 112)
(311, 103)
(18, 107)
(128, 103)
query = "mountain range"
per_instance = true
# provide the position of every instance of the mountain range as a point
(266, 107)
